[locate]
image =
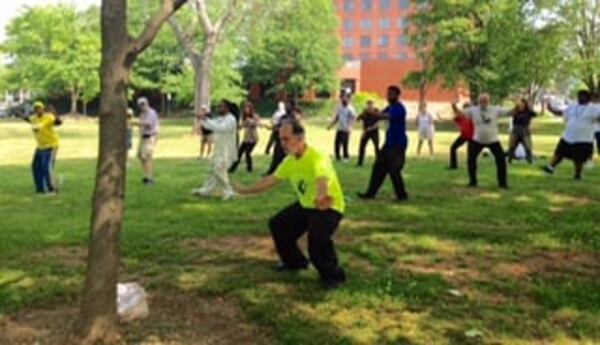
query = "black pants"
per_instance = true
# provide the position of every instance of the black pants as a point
(278, 156)
(597, 135)
(341, 142)
(291, 223)
(475, 149)
(457, 144)
(244, 150)
(390, 160)
(520, 135)
(372, 135)
(271, 141)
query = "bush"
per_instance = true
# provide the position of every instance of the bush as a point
(360, 99)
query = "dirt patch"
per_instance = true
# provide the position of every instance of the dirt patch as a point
(175, 318)
(68, 256)
(251, 247)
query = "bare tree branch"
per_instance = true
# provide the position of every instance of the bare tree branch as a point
(153, 26)
(186, 40)
(204, 19)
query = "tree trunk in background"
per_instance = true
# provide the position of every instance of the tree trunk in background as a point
(97, 322)
(74, 99)
(208, 53)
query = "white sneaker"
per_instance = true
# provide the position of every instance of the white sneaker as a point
(228, 196)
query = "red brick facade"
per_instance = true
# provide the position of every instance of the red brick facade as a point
(376, 49)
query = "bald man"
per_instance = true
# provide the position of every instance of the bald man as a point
(485, 118)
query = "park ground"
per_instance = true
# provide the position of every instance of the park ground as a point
(452, 266)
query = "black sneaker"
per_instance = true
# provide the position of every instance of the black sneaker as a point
(147, 181)
(547, 170)
(472, 185)
(403, 198)
(331, 285)
(504, 187)
(365, 196)
(578, 178)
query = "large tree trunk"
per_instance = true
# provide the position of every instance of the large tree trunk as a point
(208, 52)
(98, 317)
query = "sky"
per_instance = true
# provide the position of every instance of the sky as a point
(12, 8)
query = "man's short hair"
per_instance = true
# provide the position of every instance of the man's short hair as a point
(395, 89)
(584, 95)
(297, 128)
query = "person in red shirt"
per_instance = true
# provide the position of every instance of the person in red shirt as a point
(467, 129)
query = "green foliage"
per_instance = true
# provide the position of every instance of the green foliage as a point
(54, 49)
(495, 46)
(359, 100)
(296, 47)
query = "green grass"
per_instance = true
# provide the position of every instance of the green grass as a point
(525, 263)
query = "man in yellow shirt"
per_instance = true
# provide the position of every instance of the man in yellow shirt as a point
(42, 124)
(318, 211)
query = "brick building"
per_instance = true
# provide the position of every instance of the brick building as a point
(375, 48)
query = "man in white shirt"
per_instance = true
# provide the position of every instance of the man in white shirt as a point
(224, 128)
(577, 141)
(485, 117)
(344, 117)
(149, 128)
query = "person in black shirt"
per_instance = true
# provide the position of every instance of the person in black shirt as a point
(370, 118)
(521, 133)
(292, 113)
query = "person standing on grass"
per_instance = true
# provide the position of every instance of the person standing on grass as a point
(129, 130)
(292, 113)
(44, 157)
(149, 128)
(318, 211)
(426, 127)
(206, 135)
(274, 120)
(224, 128)
(344, 117)
(485, 117)
(391, 157)
(370, 119)
(250, 124)
(576, 143)
(467, 129)
(521, 132)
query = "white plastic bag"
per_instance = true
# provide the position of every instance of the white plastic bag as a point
(131, 301)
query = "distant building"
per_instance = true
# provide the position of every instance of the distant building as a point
(376, 50)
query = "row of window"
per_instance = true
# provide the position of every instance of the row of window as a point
(384, 23)
(382, 41)
(367, 5)
(380, 56)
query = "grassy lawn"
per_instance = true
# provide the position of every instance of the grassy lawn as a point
(452, 266)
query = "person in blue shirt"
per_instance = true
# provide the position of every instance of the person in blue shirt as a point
(390, 159)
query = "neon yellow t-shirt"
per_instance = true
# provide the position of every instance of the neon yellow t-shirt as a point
(303, 174)
(43, 130)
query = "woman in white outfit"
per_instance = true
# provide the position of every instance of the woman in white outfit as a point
(426, 127)
(224, 128)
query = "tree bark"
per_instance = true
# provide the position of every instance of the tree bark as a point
(97, 322)
(205, 71)
(74, 99)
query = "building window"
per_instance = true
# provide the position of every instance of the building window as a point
(385, 4)
(348, 24)
(365, 41)
(348, 42)
(402, 57)
(384, 23)
(365, 24)
(367, 5)
(348, 57)
(365, 56)
(402, 23)
(383, 56)
(402, 41)
(404, 4)
(348, 5)
(384, 41)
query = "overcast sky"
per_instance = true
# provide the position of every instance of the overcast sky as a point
(11, 8)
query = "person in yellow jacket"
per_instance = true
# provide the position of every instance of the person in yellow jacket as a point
(42, 124)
